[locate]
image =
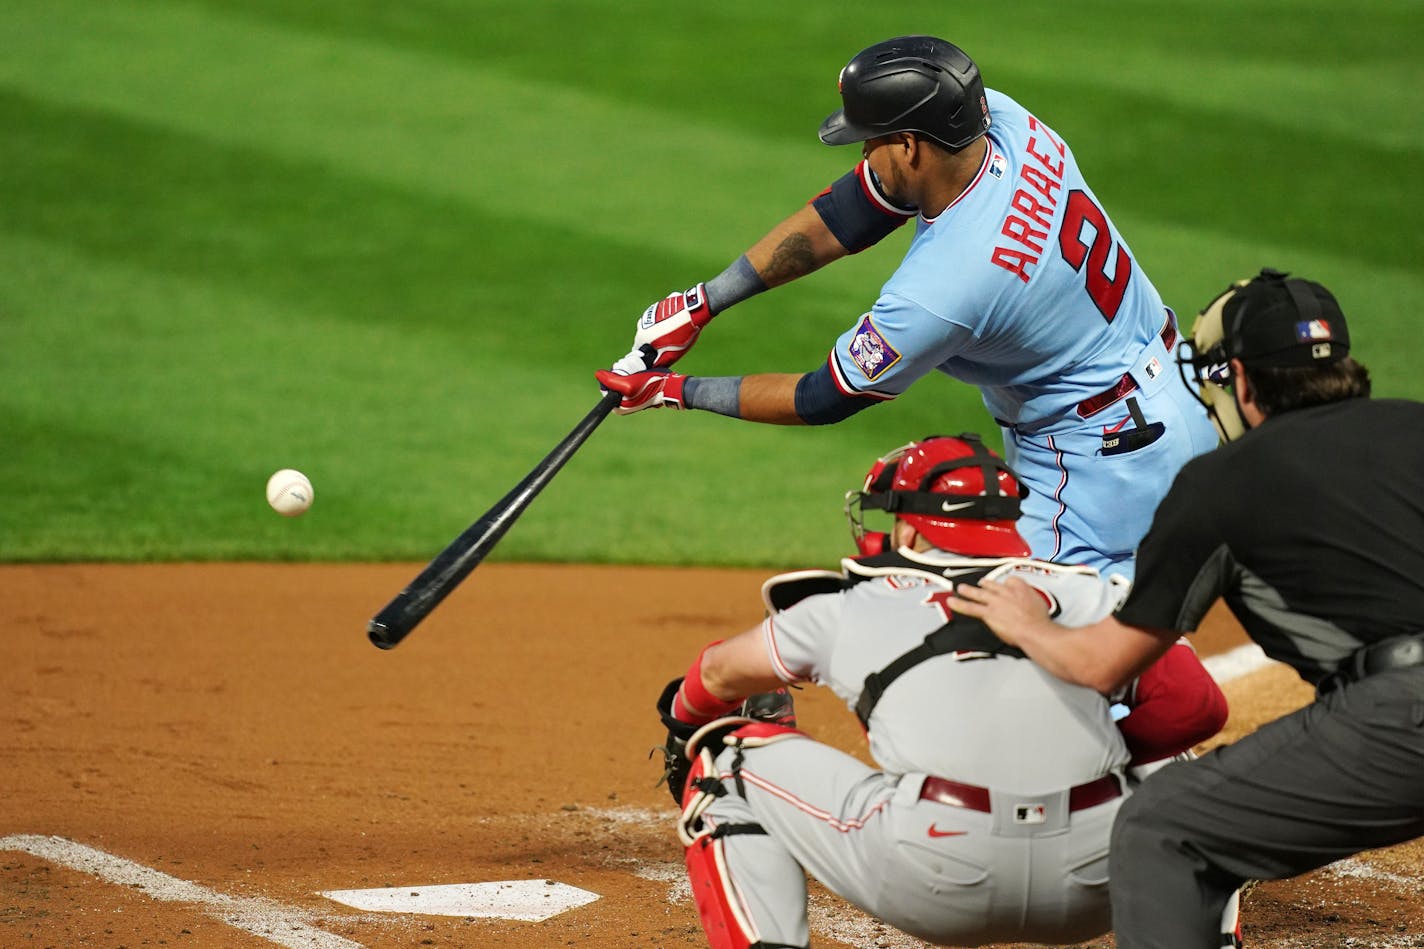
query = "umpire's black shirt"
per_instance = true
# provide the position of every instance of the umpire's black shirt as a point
(1311, 526)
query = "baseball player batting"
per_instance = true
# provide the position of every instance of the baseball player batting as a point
(988, 817)
(1016, 282)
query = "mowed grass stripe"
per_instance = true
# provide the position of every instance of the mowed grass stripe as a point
(771, 69)
(1315, 66)
(1238, 178)
(301, 235)
(148, 410)
(156, 436)
(537, 151)
(545, 150)
(305, 237)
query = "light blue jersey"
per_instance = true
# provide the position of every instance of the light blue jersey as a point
(1023, 287)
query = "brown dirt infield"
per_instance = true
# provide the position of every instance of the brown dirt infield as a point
(231, 726)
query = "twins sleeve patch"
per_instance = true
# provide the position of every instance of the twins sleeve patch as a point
(870, 350)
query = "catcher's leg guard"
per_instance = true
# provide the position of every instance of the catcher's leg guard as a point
(720, 906)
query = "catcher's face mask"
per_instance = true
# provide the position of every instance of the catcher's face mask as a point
(1205, 368)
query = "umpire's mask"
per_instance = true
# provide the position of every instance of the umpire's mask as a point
(1205, 354)
(1267, 322)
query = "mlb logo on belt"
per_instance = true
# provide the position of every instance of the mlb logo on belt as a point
(1030, 814)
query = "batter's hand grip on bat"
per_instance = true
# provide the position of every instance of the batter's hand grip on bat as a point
(395, 622)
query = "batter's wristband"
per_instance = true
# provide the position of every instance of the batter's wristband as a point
(693, 703)
(733, 285)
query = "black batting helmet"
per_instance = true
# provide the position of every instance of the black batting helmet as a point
(910, 84)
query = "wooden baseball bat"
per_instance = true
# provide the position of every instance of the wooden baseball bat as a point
(394, 623)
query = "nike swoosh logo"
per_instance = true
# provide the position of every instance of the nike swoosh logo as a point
(947, 507)
(936, 832)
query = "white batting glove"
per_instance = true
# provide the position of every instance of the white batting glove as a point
(635, 361)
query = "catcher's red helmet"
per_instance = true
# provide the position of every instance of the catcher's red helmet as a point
(954, 491)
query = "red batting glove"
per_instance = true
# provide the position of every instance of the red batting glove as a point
(672, 325)
(653, 389)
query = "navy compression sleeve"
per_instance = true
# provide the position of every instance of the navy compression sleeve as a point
(820, 402)
(856, 210)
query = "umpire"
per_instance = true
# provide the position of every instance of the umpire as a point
(1310, 523)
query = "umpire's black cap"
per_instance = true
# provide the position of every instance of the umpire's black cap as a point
(910, 84)
(1275, 322)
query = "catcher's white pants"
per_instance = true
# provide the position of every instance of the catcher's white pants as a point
(1029, 871)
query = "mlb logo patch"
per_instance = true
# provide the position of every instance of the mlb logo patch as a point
(1030, 814)
(1313, 330)
(997, 165)
(870, 351)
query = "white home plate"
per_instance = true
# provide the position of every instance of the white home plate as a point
(532, 900)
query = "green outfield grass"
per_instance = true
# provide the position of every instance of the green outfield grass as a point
(388, 244)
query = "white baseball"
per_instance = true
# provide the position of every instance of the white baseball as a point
(289, 492)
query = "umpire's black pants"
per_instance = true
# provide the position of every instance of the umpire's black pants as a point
(1341, 775)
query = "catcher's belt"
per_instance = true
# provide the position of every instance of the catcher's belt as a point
(974, 798)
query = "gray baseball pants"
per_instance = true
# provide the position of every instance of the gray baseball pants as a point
(1342, 775)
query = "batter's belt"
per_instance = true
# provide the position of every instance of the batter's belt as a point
(1119, 390)
(974, 798)
(1126, 385)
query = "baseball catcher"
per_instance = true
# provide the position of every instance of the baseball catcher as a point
(987, 819)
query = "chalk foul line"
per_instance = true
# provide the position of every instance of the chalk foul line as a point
(266, 919)
(1238, 662)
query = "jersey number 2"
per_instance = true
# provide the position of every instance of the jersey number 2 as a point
(1106, 291)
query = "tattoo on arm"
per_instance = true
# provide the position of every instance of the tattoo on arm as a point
(794, 257)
